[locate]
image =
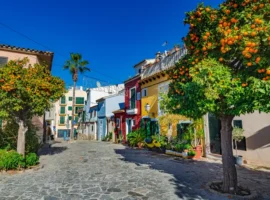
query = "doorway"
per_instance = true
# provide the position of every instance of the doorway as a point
(129, 125)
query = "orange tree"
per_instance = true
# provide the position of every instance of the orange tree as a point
(226, 69)
(26, 91)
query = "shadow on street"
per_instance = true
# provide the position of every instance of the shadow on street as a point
(191, 176)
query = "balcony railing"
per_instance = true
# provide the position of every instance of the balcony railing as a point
(166, 63)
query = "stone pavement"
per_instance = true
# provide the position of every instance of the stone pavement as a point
(99, 170)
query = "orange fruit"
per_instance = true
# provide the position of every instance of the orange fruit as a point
(259, 71)
(253, 26)
(268, 72)
(245, 33)
(253, 34)
(230, 42)
(235, 5)
(262, 70)
(220, 59)
(207, 9)
(261, 5)
(205, 37)
(249, 64)
(207, 34)
(258, 59)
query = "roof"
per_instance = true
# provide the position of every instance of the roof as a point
(132, 78)
(24, 50)
(44, 55)
(113, 95)
(118, 111)
(145, 60)
(164, 64)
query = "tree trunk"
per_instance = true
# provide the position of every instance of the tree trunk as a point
(73, 109)
(229, 170)
(21, 138)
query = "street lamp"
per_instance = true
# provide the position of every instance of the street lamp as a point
(147, 108)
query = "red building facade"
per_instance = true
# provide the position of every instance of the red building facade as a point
(128, 119)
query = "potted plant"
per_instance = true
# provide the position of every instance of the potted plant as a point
(140, 145)
(238, 135)
(191, 154)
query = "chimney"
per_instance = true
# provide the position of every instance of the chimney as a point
(158, 56)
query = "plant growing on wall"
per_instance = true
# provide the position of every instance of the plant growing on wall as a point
(26, 91)
(226, 70)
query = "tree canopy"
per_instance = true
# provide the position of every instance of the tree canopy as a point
(227, 68)
(27, 90)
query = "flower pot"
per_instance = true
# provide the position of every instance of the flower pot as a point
(238, 160)
(198, 151)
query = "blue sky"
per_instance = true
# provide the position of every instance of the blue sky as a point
(112, 35)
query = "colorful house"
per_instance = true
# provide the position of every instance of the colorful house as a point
(88, 120)
(155, 81)
(106, 106)
(128, 119)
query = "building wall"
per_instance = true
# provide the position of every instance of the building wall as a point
(102, 127)
(152, 97)
(136, 117)
(114, 103)
(122, 126)
(33, 59)
(257, 133)
(78, 93)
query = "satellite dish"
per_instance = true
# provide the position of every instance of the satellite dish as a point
(98, 84)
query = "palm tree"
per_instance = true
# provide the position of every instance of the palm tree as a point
(75, 65)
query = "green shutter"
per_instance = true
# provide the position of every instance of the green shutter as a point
(63, 110)
(76, 119)
(70, 118)
(132, 98)
(70, 108)
(77, 108)
(79, 100)
(62, 120)
(70, 98)
(63, 100)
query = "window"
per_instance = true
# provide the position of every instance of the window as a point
(62, 110)
(63, 100)
(77, 109)
(80, 100)
(70, 108)
(144, 92)
(132, 98)
(140, 71)
(92, 127)
(62, 120)
(76, 119)
(133, 122)
(241, 145)
(95, 112)
(69, 117)
(117, 122)
(3, 61)
(70, 98)
(237, 123)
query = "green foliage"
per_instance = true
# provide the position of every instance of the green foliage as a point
(238, 134)
(10, 160)
(135, 137)
(8, 137)
(191, 153)
(27, 90)
(31, 159)
(76, 64)
(163, 140)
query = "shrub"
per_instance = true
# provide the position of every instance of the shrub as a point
(31, 159)
(10, 160)
(8, 137)
(135, 137)
(191, 153)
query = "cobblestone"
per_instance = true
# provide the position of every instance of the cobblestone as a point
(104, 171)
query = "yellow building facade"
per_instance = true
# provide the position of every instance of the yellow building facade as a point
(155, 81)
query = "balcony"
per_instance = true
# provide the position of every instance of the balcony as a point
(132, 111)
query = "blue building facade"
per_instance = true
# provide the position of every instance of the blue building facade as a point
(105, 107)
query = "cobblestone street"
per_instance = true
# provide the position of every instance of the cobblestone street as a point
(99, 170)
